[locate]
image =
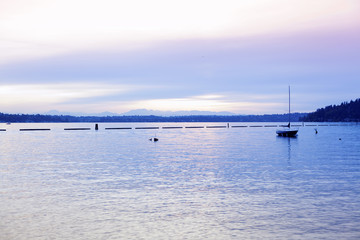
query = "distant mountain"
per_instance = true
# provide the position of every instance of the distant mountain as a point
(146, 112)
(140, 112)
(78, 114)
(345, 112)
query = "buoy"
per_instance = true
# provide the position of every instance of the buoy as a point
(96, 126)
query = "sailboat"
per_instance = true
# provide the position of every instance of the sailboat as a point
(287, 131)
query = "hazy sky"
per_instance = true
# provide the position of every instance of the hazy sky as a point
(212, 55)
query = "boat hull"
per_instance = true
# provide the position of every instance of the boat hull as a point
(287, 133)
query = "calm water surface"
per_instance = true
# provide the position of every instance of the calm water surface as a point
(225, 183)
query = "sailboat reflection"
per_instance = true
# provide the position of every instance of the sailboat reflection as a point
(289, 141)
(289, 151)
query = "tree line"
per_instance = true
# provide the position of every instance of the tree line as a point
(24, 118)
(345, 112)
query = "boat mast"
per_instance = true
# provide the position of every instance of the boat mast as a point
(289, 106)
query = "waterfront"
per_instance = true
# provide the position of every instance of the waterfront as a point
(226, 183)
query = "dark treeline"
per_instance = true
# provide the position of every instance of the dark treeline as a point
(345, 112)
(13, 118)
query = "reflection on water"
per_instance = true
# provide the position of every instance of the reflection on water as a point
(228, 183)
(289, 141)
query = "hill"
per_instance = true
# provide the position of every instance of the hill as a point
(345, 112)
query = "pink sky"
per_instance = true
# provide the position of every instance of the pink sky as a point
(237, 56)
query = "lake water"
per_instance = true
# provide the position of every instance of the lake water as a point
(194, 183)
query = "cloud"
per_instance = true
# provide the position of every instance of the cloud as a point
(175, 61)
(31, 95)
(37, 28)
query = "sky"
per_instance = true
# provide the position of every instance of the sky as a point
(238, 56)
